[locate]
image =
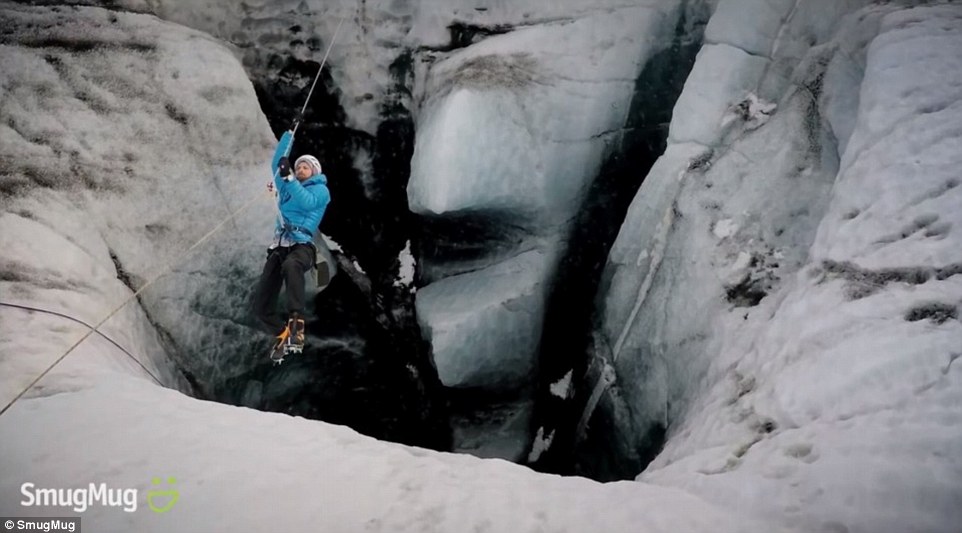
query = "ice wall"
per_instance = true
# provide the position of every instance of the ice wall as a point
(515, 128)
(491, 138)
(125, 140)
(783, 295)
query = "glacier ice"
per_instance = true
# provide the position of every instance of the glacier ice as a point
(133, 138)
(485, 326)
(834, 218)
(489, 132)
(722, 76)
(491, 139)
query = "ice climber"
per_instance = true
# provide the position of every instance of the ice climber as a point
(302, 199)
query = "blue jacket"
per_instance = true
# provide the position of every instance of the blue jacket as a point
(302, 205)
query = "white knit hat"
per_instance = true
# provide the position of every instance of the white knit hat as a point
(311, 161)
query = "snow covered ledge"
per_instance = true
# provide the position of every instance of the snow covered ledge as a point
(241, 470)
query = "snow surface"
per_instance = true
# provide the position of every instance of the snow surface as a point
(242, 470)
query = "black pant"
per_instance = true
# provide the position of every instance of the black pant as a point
(287, 265)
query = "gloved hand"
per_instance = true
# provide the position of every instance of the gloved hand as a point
(270, 187)
(284, 168)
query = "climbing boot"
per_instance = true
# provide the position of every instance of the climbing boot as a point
(295, 337)
(280, 345)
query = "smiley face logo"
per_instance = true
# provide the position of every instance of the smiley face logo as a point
(157, 494)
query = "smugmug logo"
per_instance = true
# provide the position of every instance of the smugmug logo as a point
(156, 496)
(82, 498)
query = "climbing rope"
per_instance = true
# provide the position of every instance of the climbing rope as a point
(170, 265)
(317, 76)
(29, 308)
(163, 272)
